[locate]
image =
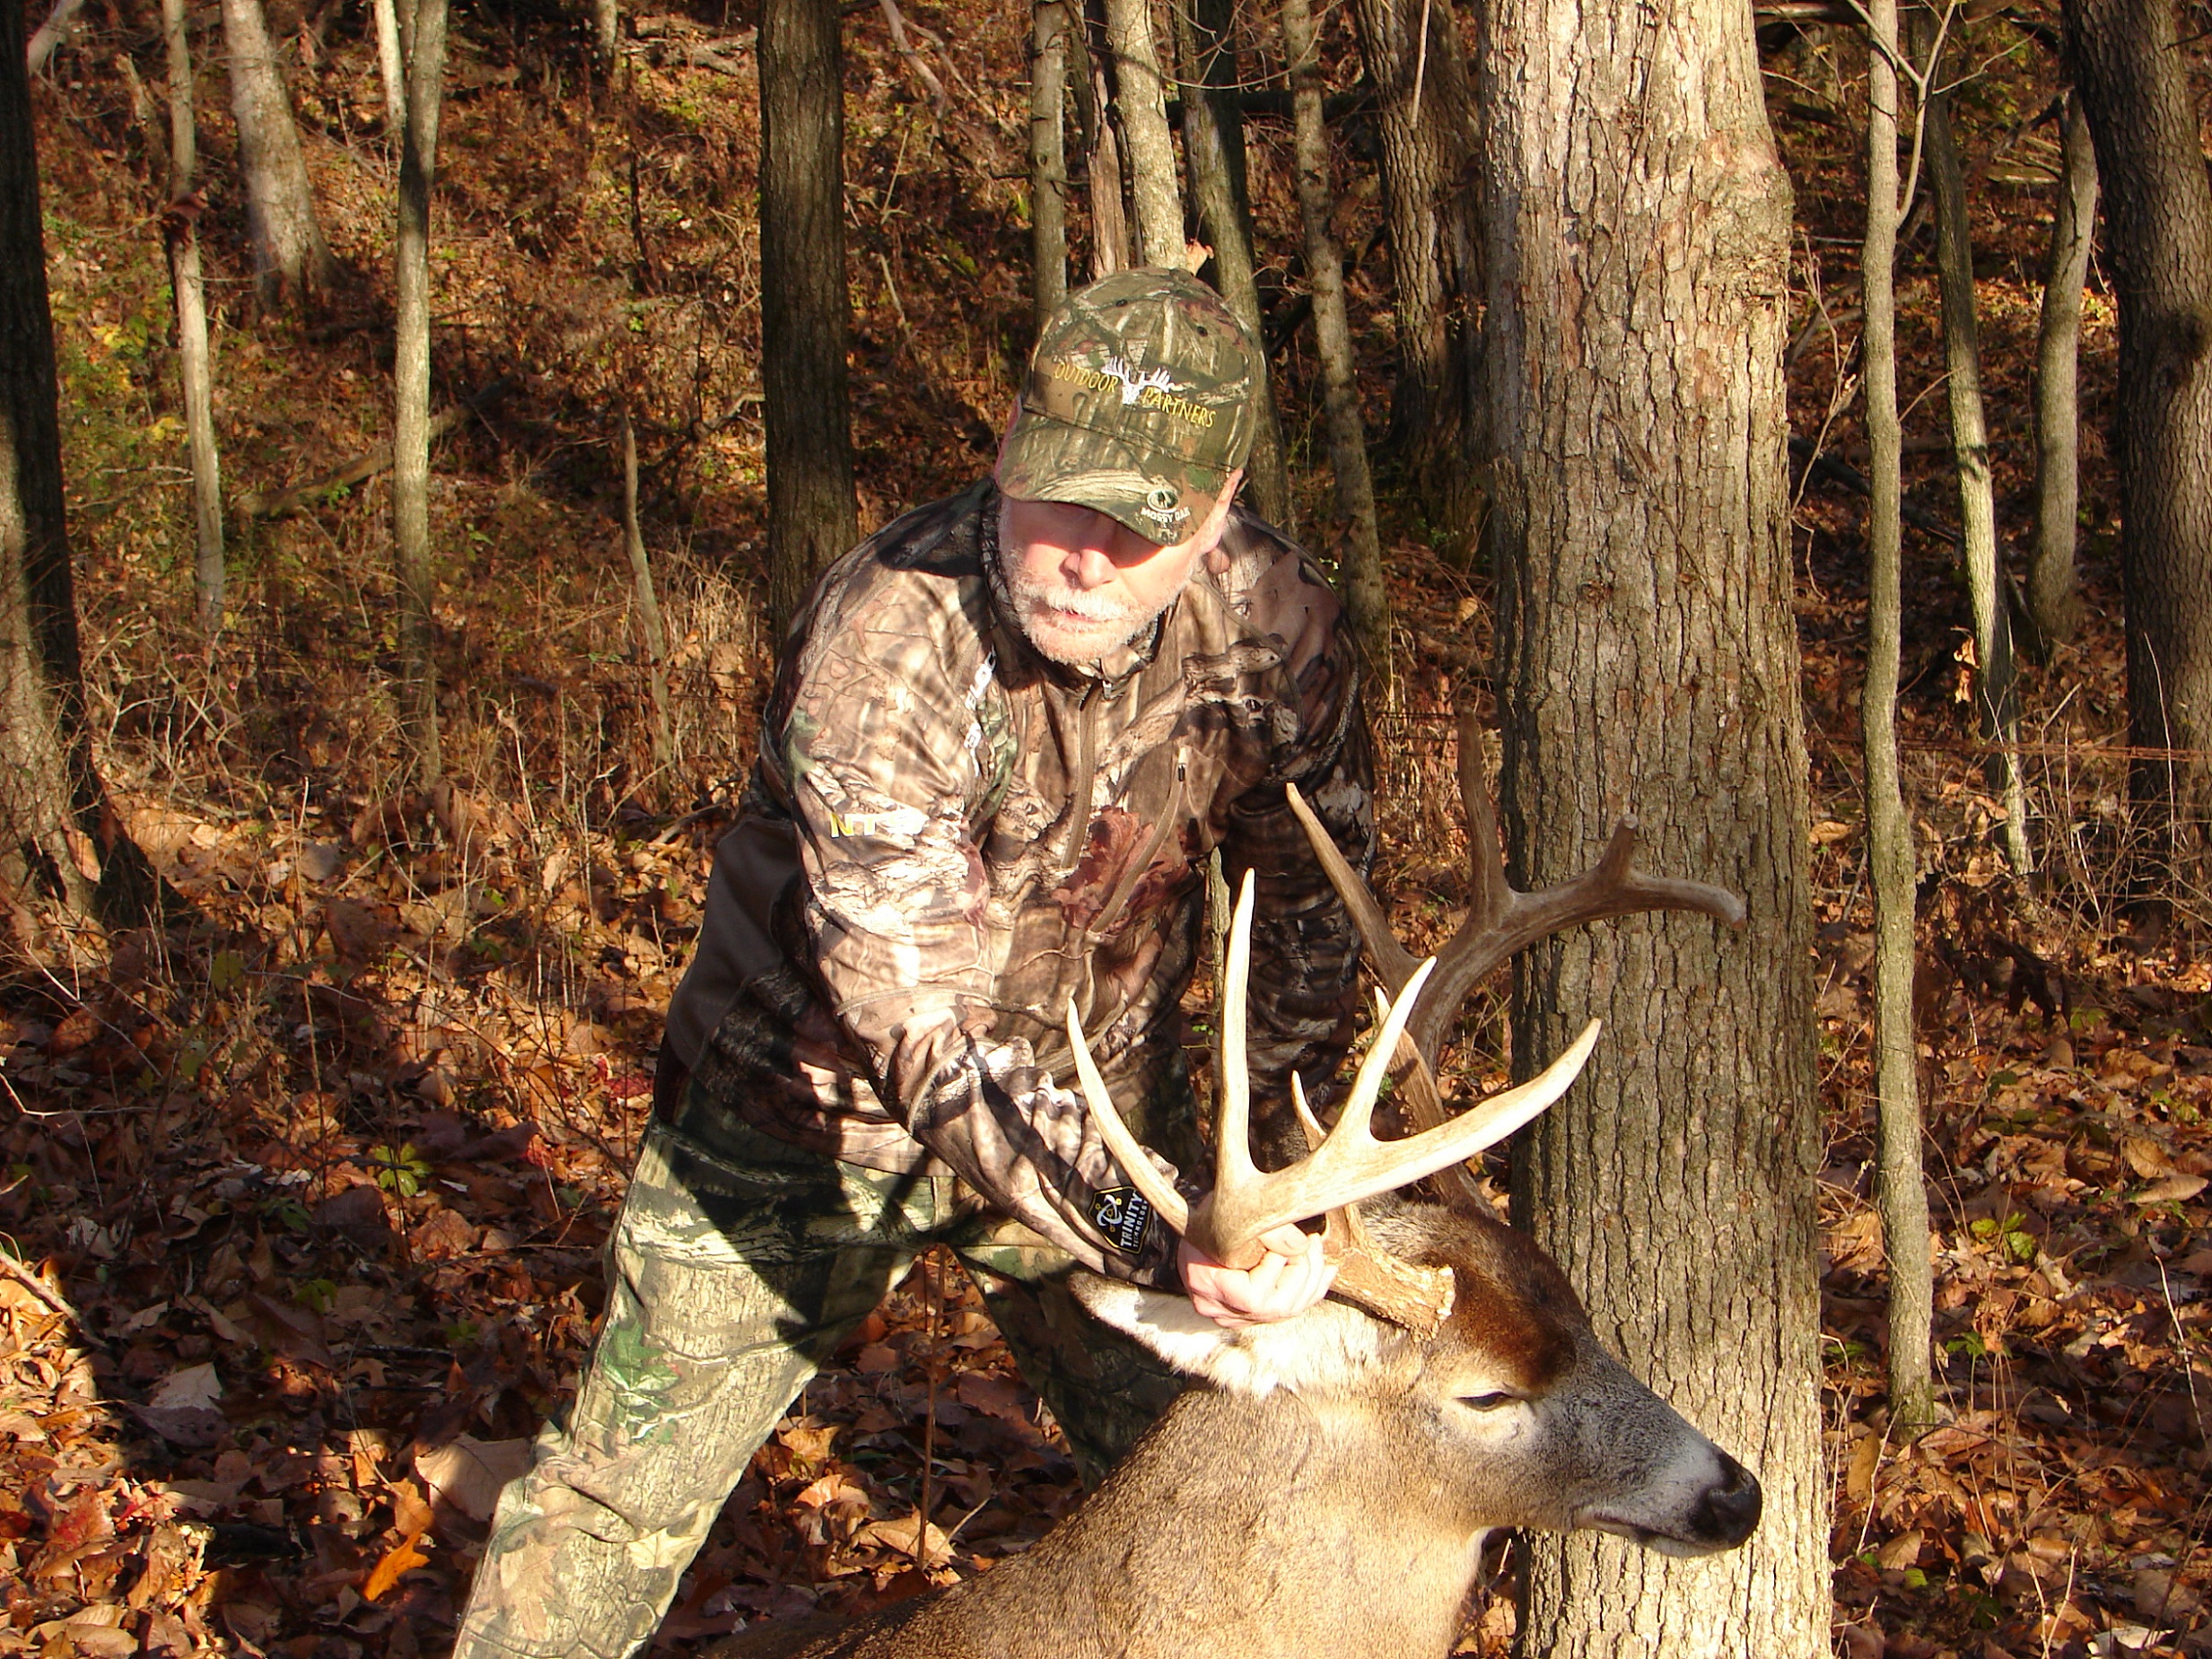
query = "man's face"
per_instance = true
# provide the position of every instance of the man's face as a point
(1084, 584)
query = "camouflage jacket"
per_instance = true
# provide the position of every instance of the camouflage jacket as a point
(946, 837)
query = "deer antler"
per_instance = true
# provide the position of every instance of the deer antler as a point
(1501, 920)
(1347, 1165)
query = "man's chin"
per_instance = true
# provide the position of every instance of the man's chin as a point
(1074, 643)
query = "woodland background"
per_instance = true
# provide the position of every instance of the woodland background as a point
(300, 1193)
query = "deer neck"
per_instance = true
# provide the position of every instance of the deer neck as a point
(1275, 1528)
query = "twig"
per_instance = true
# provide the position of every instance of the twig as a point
(39, 1288)
(939, 99)
(253, 504)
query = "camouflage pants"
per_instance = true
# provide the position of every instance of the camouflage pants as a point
(739, 1265)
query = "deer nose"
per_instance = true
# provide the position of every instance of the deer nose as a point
(1729, 1509)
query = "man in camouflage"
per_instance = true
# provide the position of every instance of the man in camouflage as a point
(1008, 734)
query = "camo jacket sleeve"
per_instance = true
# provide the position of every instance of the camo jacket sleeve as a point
(880, 747)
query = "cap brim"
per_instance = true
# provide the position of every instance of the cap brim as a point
(1163, 499)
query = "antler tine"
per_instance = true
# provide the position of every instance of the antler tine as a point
(1353, 1165)
(1394, 964)
(1166, 1201)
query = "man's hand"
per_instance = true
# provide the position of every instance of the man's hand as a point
(1290, 1278)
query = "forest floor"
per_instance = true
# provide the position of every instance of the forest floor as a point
(301, 1196)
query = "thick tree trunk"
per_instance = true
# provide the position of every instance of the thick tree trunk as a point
(1996, 691)
(411, 549)
(804, 307)
(1142, 95)
(1214, 143)
(2054, 595)
(290, 260)
(1648, 663)
(1429, 139)
(1900, 1189)
(1359, 547)
(180, 233)
(57, 831)
(2133, 79)
(1048, 156)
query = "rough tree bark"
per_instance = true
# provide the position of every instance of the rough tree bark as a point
(1213, 144)
(1636, 263)
(290, 259)
(1102, 153)
(416, 578)
(1048, 156)
(1142, 95)
(1359, 551)
(1426, 102)
(181, 236)
(804, 307)
(2054, 594)
(2129, 66)
(1899, 1188)
(1995, 679)
(57, 830)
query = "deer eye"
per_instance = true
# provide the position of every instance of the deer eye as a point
(1494, 1401)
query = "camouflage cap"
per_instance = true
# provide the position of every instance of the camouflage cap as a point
(1139, 404)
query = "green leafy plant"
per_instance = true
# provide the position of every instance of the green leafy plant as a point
(402, 1170)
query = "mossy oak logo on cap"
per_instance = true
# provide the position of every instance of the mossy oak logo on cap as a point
(1162, 507)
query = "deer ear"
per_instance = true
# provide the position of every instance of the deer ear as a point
(1321, 1348)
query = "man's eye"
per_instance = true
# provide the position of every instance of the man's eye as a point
(1488, 1402)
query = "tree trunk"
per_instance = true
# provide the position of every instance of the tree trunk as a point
(1900, 1189)
(1102, 157)
(392, 67)
(1142, 97)
(804, 307)
(290, 260)
(2054, 596)
(606, 31)
(1048, 156)
(1428, 128)
(1648, 663)
(57, 830)
(1997, 699)
(411, 549)
(1359, 553)
(2133, 79)
(180, 233)
(1214, 143)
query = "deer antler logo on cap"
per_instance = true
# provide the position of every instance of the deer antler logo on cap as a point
(1133, 384)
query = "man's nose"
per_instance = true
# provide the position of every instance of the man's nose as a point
(1089, 564)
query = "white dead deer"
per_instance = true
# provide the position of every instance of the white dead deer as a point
(1325, 1490)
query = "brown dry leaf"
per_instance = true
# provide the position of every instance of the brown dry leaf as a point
(899, 1534)
(2172, 1190)
(2145, 1157)
(1859, 1476)
(401, 1558)
(468, 1473)
(1901, 1551)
